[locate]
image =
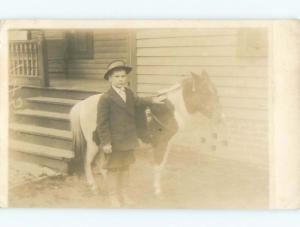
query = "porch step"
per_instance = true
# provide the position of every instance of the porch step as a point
(41, 136)
(40, 150)
(44, 114)
(53, 100)
(61, 105)
(43, 118)
(41, 131)
(58, 91)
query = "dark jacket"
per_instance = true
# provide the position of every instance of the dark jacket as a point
(116, 120)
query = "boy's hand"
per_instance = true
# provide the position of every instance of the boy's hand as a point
(107, 149)
(158, 99)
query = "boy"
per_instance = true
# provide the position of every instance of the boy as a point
(116, 130)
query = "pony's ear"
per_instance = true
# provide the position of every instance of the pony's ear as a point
(194, 75)
(204, 76)
(195, 79)
(204, 73)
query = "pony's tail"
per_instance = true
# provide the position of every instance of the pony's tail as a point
(76, 165)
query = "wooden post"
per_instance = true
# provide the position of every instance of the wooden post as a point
(66, 54)
(132, 60)
(43, 62)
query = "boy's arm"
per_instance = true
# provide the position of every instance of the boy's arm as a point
(147, 101)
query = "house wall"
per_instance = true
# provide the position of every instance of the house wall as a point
(236, 61)
(108, 45)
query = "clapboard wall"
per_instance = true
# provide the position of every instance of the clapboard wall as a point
(108, 45)
(236, 61)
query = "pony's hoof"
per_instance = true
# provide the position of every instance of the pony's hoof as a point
(157, 192)
(159, 195)
(94, 189)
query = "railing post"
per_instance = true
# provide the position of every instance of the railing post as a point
(43, 61)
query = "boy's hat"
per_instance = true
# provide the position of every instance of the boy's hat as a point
(115, 65)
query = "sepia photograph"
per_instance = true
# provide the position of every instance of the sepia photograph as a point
(139, 117)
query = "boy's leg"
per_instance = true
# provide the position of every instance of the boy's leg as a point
(113, 186)
(124, 187)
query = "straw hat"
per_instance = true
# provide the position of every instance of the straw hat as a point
(115, 65)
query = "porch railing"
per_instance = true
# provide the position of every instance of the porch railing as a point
(28, 62)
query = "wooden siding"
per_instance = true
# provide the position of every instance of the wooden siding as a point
(55, 34)
(108, 46)
(236, 61)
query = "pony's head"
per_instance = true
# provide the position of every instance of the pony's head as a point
(200, 95)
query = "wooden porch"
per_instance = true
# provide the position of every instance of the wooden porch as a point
(80, 84)
(29, 68)
(68, 60)
(40, 104)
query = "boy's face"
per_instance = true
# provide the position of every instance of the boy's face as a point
(119, 78)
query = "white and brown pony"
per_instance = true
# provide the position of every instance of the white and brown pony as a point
(195, 93)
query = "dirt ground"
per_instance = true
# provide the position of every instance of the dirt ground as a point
(190, 180)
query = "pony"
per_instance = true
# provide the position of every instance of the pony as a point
(157, 125)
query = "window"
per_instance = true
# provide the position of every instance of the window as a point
(81, 45)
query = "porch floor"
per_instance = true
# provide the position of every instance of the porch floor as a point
(98, 85)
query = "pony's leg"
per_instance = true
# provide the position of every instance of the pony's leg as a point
(104, 179)
(91, 152)
(158, 168)
(98, 169)
(156, 183)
